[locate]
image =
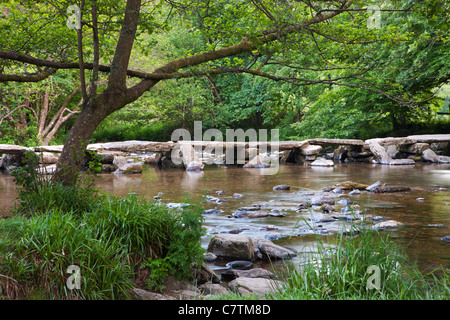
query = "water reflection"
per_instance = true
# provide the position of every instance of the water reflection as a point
(426, 220)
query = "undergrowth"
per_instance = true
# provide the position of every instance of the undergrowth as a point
(110, 239)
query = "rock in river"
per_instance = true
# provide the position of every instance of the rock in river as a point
(124, 166)
(282, 187)
(382, 188)
(133, 167)
(388, 225)
(232, 246)
(373, 186)
(322, 162)
(318, 201)
(250, 214)
(260, 161)
(242, 247)
(195, 166)
(212, 211)
(239, 264)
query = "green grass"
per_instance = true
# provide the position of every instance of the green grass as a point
(110, 245)
(339, 271)
(112, 240)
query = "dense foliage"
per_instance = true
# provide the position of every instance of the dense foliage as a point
(341, 80)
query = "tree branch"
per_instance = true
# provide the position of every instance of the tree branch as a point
(80, 54)
(35, 77)
(94, 80)
(121, 59)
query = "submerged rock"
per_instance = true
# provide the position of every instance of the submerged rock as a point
(382, 187)
(303, 206)
(212, 211)
(350, 185)
(388, 225)
(276, 213)
(175, 205)
(214, 199)
(250, 214)
(327, 208)
(318, 201)
(385, 189)
(239, 264)
(345, 201)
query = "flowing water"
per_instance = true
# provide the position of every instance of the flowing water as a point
(425, 210)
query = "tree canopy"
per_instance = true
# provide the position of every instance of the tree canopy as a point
(294, 64)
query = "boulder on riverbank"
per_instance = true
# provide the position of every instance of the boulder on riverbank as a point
(254, 286)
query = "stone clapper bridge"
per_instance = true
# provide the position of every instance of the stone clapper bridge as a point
(129, 156)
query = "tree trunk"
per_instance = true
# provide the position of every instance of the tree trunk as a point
(97, 108)
(73, 153)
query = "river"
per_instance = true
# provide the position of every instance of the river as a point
(424, 211)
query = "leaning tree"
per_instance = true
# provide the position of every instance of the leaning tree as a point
(100, 37)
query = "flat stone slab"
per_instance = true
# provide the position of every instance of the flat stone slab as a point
(282, 145)
(53, 149)
(336, 142)
(13, 149)
(430, 138)
(133, 146)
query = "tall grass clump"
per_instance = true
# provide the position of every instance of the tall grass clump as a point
(340, 271)
(37, 193)
(112, 241)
